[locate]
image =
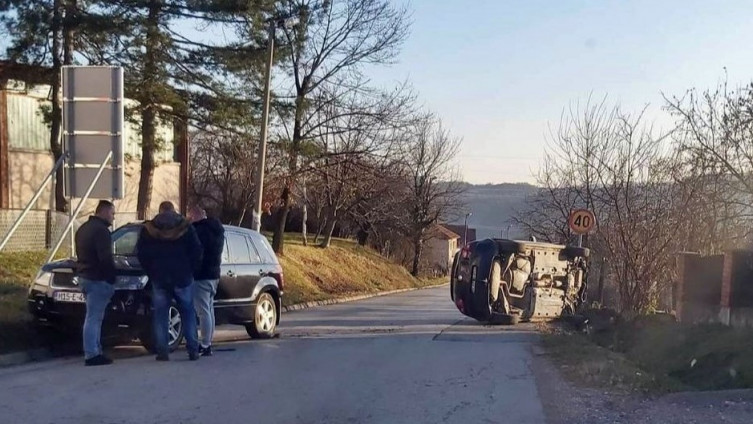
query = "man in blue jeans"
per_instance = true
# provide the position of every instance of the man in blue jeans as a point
(170, 252)
(95, 271)
(212, 236)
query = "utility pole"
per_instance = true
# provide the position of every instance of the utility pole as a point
(261, 159)
(465, 232)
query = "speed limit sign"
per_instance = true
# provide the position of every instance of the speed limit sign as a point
(581, 221)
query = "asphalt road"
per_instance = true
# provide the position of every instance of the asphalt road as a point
(405, 358)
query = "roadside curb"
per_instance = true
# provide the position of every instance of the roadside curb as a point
(36, 355)
(316, 303)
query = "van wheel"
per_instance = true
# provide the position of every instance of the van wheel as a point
(265, 318)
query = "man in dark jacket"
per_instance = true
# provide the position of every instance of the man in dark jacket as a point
(95, 271)
(212, 236)
(169, 251)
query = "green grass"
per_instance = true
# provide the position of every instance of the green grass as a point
(16, 273)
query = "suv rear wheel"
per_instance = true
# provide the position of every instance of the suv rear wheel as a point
(265, 318)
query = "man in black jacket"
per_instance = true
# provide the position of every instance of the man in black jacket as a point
(170, 252)
(212, 236)
(95, 271)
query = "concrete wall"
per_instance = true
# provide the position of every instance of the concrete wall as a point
(438, 253)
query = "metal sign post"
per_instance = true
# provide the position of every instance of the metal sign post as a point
(81, 202)
(92, 133)
(31, 203)
(93, 118)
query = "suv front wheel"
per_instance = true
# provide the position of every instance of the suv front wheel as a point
(174, 332)
(265, 318)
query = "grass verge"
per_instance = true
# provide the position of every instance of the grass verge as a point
(655, 356)
(16, 272)
(344, 269)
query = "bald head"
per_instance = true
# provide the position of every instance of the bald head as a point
(166, 206)
(196, 213)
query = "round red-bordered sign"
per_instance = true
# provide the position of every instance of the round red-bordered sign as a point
(581, 221)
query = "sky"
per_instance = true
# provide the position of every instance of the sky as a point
(500, 72)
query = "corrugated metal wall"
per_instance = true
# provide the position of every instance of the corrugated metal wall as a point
(26, 128)
(28, 131)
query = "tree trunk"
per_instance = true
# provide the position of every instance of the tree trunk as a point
(319, 229)
(278, 241)
(148, 111)
(56, 121)
(331, 222)
(363, 234)
(304, 230)
(418, 247)
(69, 30)
(147, 163)
(602, 272)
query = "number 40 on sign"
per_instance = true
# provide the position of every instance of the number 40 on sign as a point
(581, 221)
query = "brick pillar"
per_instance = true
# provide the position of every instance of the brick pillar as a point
(682, 269)
(726, 298)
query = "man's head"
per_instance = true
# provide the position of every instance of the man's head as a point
(106, 211)
(166, 206)
(196, 213)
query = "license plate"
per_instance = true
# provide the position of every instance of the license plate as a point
(69, 297)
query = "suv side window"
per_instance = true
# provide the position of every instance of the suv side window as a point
(239, 252)
(255, 258)
(264, 249)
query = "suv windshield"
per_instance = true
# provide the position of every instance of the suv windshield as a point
(124, 240)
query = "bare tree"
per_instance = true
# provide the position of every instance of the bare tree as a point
(617, 165)
(356, 142)
(433, 190)
(332, 41)
(223, 173)
(714, 139)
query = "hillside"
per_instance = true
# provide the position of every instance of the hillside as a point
(343, 269)
(493, 205)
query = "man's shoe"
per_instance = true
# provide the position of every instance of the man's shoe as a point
(193, 356)
(205, 351)
(98, 360)
(163, 357)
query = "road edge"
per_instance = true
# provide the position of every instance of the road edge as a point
(40, 355)
(317, 303)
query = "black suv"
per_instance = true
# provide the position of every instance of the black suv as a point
(249, 292)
